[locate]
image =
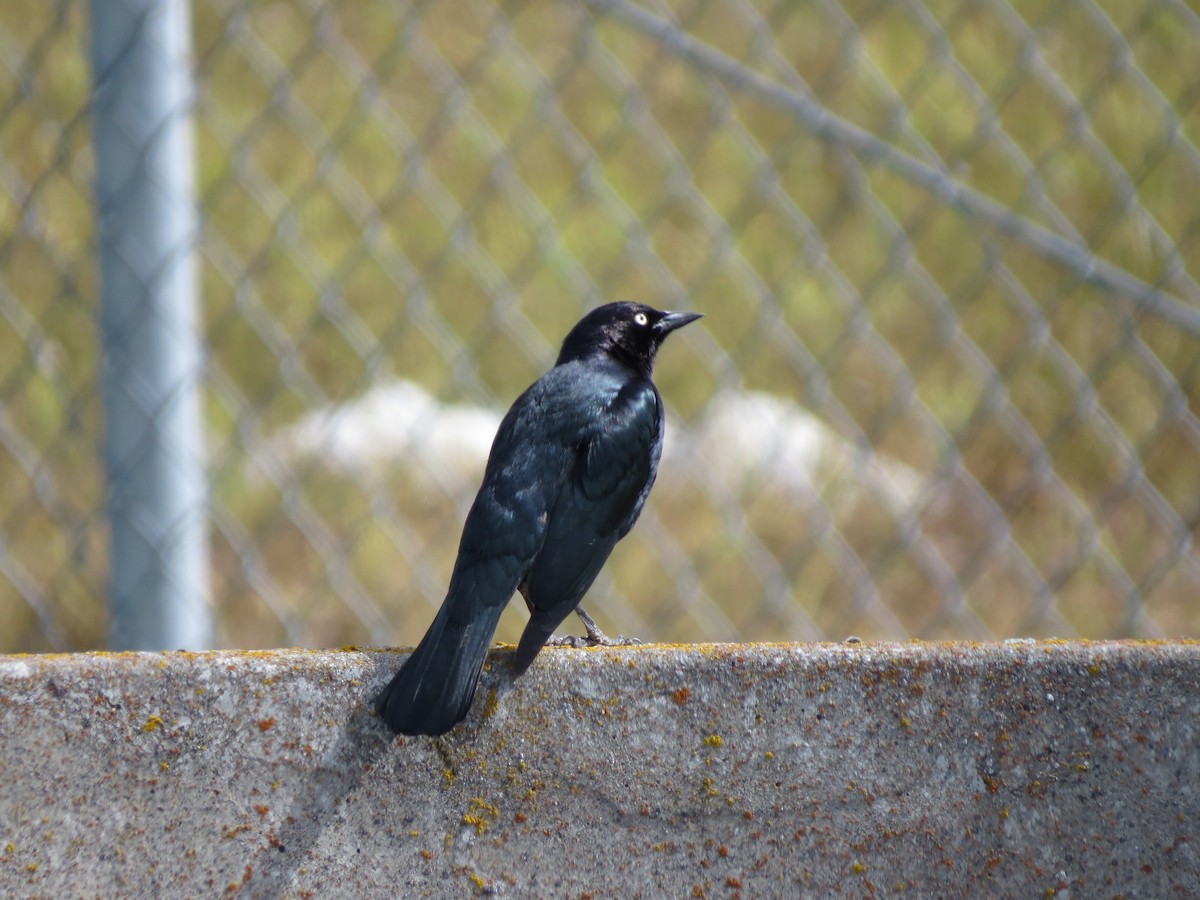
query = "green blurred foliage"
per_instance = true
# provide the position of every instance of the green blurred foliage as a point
(437, 191)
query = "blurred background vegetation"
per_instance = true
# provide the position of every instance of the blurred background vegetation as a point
(433, 193)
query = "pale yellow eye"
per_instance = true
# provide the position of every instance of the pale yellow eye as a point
(641, 319)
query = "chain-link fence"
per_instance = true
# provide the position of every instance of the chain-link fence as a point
(948, 381)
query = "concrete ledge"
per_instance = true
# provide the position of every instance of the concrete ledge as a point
(740, 770)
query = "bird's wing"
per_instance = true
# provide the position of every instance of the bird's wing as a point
(506, 525)
(597, 503)
(622, 457)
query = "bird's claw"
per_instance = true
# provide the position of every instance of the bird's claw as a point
(566, 640)
(603, 640)
(595, 637)
(592, 639)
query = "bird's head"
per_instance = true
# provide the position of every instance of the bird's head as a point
(630, 332)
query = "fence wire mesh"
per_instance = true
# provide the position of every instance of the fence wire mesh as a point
(948, 382)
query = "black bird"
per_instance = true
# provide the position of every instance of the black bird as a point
(568, 473)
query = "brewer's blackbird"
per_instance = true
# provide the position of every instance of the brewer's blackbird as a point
(568, 473)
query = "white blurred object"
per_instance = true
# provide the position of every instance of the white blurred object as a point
(396, 423)
(746, 438)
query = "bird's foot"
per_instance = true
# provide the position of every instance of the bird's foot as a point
(598, 638)
(582, 640)
(566, 640)
(594, 638)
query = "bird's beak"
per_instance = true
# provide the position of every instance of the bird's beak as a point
(673, 320)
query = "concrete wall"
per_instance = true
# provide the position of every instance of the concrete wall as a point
(1017, 769)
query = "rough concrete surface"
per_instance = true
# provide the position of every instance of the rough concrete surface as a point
(1017, 769)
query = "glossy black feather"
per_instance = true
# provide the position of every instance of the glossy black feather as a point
(569, 471)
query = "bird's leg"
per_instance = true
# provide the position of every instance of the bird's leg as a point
(594, 634)
(596, 637)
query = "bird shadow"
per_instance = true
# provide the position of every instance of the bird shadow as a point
(333, 784)
(327, 786)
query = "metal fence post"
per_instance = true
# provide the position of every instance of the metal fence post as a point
(152, 360)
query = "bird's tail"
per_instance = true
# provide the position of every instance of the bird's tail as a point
(434, 688)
